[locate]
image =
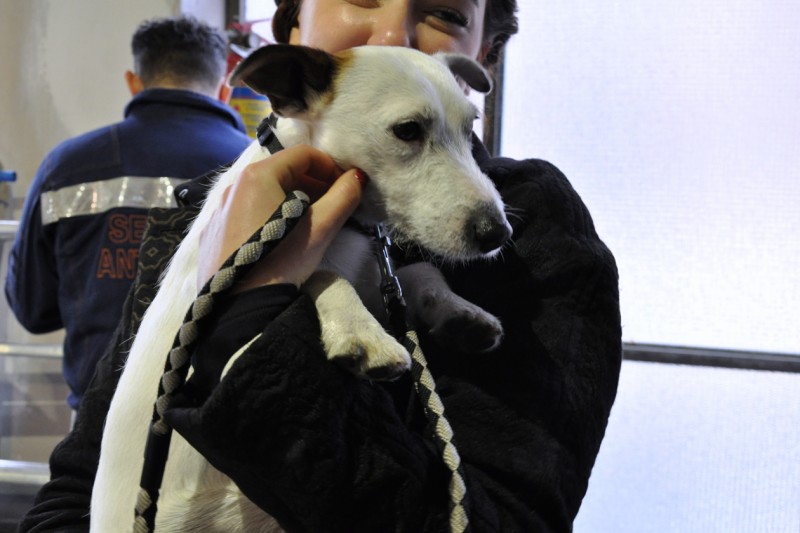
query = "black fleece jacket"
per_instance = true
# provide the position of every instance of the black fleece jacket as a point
(324, 451)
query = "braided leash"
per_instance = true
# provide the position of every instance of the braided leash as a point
(442, 432)
(179, 360)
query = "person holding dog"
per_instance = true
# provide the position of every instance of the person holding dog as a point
(75, 254)
(322, 450)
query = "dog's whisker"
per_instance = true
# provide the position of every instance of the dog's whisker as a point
(514, 212)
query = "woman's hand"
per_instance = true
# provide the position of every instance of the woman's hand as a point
(249, 202)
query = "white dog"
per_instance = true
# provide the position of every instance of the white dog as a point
(403, 118)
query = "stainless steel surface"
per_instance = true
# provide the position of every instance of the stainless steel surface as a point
(53, 351)
(8, 229)
(24, 473)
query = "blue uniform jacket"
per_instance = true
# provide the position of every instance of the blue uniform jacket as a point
(75, 255)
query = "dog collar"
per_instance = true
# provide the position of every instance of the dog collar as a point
(266, 134)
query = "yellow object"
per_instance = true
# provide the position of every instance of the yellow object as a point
(251, 106)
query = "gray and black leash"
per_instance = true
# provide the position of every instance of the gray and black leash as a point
(179, 358)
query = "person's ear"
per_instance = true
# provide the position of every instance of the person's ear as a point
(134, 82)
(223, 91)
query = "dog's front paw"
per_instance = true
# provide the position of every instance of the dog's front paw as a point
(467, 329)
(369, 352)
(351, 335)
(452, 321)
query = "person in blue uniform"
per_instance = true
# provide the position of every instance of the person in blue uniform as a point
(75, 254)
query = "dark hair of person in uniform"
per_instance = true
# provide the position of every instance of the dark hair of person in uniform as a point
(179, 51)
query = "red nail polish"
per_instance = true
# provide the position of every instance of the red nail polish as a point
(362, 177)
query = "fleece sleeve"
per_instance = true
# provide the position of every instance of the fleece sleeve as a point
(311, 444)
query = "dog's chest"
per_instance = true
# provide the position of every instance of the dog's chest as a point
(351, 255)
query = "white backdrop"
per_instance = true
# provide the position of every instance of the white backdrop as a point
(679, 124)
(692, 449)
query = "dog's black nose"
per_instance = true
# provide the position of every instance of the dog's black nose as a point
(490, 230)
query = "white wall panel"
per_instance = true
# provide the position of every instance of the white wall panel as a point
(678, 123)
(693, 449)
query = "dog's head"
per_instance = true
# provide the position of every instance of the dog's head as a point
(402, 117)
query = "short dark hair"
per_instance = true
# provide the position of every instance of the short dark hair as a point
(180, 49)
(499, 24)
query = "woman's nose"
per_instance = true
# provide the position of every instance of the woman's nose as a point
(392, 25)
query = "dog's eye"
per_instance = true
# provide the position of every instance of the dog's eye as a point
(408, 131)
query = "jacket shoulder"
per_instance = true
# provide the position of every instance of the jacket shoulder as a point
(87, 153)
(537, 190)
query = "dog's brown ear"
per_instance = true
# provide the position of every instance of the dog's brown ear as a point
(289, 75)
(469, 70)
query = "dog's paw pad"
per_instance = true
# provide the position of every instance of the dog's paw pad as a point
(387, 372)
(470, 332)
(380, 359)
(350, 360)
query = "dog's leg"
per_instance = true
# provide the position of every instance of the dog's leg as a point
(452, 320)
(351, 336)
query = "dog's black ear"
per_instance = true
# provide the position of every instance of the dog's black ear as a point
(468, 70)
(289, 75)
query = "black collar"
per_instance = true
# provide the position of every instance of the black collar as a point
(266, 134)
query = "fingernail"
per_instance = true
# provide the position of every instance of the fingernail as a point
(362, 177)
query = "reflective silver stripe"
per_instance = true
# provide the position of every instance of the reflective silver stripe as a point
(100, 196)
